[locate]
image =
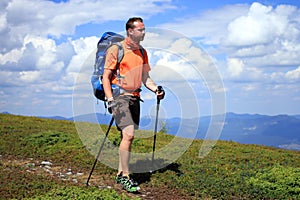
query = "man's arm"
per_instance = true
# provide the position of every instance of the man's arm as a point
(148, 82)
(110, 64)
(106, 84)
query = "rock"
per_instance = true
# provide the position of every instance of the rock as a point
(79, 174)
(69, 173)
(75, 180)
(44, 163)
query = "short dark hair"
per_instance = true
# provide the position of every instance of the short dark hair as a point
(129, 23)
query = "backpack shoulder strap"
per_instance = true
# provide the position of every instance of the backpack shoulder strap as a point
(143, 53)
(120, 53)
(120, 57)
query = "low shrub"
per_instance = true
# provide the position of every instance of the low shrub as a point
(276, 182)
(73, 192)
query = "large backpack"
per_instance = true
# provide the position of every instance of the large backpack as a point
(107, 40)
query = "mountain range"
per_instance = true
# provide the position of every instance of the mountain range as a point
(281, 131)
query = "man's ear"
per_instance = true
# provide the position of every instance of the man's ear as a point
(130, 31)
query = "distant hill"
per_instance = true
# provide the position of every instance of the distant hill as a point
(281, 131)
(297, 116)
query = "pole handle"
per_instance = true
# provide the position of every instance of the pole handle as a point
(159, 90)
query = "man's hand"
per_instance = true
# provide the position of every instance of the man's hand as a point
(111, 105)
(160, 92)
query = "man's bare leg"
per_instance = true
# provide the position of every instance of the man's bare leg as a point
(125, 148)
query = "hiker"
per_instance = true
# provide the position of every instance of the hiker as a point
(133, 70)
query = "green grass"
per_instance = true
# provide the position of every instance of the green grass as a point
(229, 171)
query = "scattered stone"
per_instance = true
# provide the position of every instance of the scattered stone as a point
(79, 174)
(69, 173)
(44, 163)
(99, 187)
(62, 176)
(75, 180)
(47, 167)
(48, 171)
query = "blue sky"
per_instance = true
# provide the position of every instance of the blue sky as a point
(46, 55)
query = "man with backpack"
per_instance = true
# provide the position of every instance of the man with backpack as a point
(131, 72)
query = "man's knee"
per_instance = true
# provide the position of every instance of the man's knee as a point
(128, 133)
(127, 136)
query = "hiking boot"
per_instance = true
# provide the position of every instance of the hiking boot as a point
(132, 182)
(127, 184)
(119, 178)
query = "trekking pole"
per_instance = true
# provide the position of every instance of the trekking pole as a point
(159, 89)
(102, 145)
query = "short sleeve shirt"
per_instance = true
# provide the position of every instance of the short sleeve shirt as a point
(132, 66)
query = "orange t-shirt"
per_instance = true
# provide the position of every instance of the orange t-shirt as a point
(132, 66)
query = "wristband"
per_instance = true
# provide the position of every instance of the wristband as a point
(110, 99)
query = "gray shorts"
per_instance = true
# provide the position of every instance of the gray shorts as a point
(127, 111)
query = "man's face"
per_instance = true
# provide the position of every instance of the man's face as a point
(137, 33)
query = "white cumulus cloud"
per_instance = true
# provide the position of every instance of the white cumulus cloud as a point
(261, 25)
(293, 75)
(235, 66)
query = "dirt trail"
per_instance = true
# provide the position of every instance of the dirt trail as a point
(55, 171)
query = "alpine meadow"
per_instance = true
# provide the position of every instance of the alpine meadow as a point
(45, 159)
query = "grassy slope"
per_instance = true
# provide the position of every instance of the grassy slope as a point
(230, 170)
